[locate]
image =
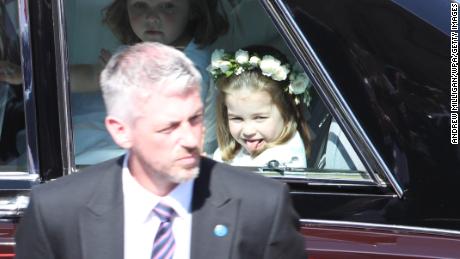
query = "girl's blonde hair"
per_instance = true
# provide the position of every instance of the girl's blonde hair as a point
(205, 26)
(254, 80)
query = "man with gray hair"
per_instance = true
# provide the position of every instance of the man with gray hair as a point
(161, 199)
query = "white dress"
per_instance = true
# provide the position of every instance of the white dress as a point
(290, 154)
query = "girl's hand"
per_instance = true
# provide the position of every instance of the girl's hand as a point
(10, 73)
(104, 56)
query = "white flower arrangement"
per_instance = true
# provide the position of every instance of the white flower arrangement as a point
(242, 57)
(299, 84)
(254, 61)
(224, 64)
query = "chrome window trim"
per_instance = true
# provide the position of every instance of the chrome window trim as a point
(361, 195)
(62, 74)
(382, 227)
(28, 87)
(315, 182)
(18, 176)
(330, 94)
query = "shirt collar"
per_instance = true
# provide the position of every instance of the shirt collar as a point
(139, 199)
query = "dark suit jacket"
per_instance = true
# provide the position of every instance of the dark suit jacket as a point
(81, 216)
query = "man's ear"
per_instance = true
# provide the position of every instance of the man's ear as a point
(120, 131)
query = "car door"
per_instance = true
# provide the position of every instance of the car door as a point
(382, 69)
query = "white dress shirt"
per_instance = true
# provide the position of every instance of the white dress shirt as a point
(141, 224)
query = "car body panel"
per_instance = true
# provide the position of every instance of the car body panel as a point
(7, 230)
(336, 241)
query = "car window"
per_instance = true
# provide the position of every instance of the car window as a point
(327, 153)
(12, 133)
(87, 37)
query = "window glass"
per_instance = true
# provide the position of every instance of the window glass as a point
(12, 134)
(87, 37)
(291, 134)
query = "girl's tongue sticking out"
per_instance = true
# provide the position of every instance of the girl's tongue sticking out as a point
(254, 145)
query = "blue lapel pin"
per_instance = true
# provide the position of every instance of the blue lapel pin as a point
(220, 230)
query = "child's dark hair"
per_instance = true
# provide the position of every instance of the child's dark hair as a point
(205, 26)
(254, 79)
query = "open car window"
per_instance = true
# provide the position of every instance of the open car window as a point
(331, 155)
(12, 126)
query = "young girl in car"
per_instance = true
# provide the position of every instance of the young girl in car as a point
(259, 100)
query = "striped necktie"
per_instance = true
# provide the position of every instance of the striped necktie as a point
(164, 244)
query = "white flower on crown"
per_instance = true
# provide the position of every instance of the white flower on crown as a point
(223, 65)
(216, 58)
(254, 61)
(269, 65)
(241, 56)
(239, 71)
(281, 73)
(299, 83)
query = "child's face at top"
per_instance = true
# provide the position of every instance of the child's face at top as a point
(161, 21)
(253, 119)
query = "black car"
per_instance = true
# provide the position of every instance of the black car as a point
(384, 165)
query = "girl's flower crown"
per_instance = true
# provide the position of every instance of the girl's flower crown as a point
(225, 64)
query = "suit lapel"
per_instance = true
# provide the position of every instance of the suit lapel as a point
(214, 216)
(102, 222)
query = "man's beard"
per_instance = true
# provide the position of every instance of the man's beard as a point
(183, 175)
(177, 176)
